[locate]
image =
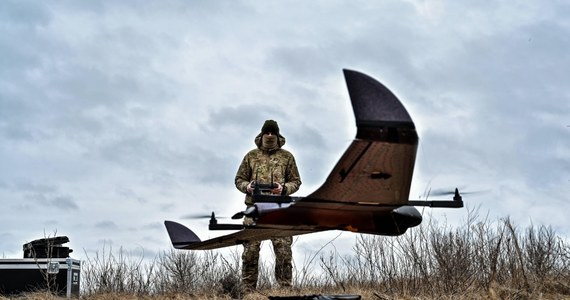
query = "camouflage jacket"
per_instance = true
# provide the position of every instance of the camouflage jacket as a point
(260, 165)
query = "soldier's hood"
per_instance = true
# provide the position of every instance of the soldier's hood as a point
(280, 141)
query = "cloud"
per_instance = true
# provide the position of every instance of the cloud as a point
(106, 225)
(240, 119)
(109, 111)
(33, 193)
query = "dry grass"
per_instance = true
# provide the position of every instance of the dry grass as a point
(478, 260)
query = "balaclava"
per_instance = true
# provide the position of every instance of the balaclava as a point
(270, 142)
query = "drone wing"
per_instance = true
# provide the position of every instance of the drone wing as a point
(377, 167)
(371, 180)
(184, 238)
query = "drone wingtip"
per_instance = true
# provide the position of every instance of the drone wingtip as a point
(180, 235)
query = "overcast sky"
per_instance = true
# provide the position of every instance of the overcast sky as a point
(117, 115)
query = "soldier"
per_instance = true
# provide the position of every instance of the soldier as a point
(268, 163)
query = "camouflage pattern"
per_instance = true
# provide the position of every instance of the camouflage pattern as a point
(283, 258)
(264, 165)
(250, 260)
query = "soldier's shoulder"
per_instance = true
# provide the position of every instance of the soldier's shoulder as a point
(253, 152)
(284, 152)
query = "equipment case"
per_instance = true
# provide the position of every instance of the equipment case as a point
(59, 275)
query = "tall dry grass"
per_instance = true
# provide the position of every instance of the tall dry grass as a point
(478, 259)
(492, 258)
(173, 272)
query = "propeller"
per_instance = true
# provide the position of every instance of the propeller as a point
(457, 193)
(448, 192)
(195, 216)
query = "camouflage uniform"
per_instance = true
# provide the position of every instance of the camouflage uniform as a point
(265, 165)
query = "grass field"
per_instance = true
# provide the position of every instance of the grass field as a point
(480, 259)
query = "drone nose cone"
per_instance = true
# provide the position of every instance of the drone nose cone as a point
(407, 216)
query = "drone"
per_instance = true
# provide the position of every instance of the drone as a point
(367, 191)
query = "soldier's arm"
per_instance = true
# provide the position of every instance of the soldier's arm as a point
(243, 175)
(292, 178)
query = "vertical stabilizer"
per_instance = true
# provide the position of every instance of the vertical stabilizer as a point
(374, 104)
(180, 236)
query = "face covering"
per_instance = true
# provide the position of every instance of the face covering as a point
(269, 141)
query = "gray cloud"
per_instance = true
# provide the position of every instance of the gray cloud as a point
(110, 111)
(59, 202)
(240, 119)
(106, 225)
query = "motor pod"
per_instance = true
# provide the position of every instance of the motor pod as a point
(407, 216)
(268, 207)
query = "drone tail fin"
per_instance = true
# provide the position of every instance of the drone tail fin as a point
(180, 236)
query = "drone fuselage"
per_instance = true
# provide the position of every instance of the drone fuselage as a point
(362, 218)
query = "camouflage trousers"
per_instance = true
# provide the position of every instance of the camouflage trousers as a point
(283, 266)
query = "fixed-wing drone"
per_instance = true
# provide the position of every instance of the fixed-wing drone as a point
(366, 192)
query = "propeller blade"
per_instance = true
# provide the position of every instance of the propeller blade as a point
(195, 216)
(451, 192)
(201, 216)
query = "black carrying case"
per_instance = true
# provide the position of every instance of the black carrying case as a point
(47, 248)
